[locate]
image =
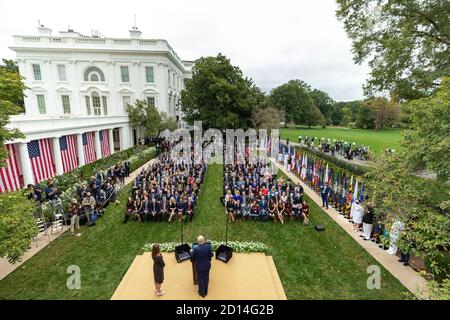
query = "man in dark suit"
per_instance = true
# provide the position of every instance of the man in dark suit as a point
(201, 256)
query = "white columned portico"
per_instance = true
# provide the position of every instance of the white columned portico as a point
(98, 147)
(80, 150)
(57, 156)
(111, 140)
(25, 163)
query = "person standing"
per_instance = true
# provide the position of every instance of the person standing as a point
(357, 214)
(201, 256)
(158, 269)
(75, 212)
(325, 193)
(368, 222)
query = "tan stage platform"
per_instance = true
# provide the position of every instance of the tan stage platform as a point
(245, 276)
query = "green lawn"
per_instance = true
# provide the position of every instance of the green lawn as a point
(311, 265)
(377, 140)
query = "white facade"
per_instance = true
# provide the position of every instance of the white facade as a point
(79, 84)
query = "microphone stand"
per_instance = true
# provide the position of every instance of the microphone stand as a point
(182, 239)
(226, 232)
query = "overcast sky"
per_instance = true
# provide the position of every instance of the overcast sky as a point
(271, 41)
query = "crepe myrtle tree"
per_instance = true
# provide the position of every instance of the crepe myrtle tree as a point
(141, 113)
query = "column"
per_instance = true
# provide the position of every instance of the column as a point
(57, 156)
(121, 140)
(98, 147)
(25, 164)
(80, 150)
(125, 137)
(111, 140)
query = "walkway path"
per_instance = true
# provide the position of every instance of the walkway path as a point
(406, 275)
(42, 240)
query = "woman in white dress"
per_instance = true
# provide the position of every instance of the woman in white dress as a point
(357, 213)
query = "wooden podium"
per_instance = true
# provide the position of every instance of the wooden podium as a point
(194, 273)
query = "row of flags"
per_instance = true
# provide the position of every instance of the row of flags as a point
(40, 153)
(344, 187)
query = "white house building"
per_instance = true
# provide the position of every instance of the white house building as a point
(78, 87)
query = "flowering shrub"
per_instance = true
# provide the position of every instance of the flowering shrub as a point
(238, 246)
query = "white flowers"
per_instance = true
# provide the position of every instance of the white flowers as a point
(238, 246)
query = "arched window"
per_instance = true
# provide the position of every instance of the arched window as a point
(94, 74)
(96, 104)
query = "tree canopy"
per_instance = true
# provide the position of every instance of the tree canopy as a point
(147, 116)
(11, 95)
(406, 43)
(294, 99)
(428, 140)
(219, 95)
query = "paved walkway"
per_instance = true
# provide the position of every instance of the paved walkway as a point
(406, 275)
(42, 240)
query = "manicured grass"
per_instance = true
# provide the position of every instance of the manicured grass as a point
(376, 140)
(311, 264)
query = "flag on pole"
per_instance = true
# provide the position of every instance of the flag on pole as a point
(104, 142)
(9, 171)
(68, 146)
(41, 158)
(355, 194)
(362, 195)
(89, 147)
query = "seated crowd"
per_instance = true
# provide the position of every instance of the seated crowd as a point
(165, 190)
(253, 192)
(91, 200)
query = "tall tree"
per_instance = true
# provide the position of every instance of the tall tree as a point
(147, 116)
(428, 140)
(267, 118)
(11, 92)
(219, 95)
(294, 99)
(406, 42)
(324, 102)
(386, 113)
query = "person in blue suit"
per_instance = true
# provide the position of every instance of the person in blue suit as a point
(325, 193)
(201, 256)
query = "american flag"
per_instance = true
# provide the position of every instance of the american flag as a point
(68, 146)
(41, 156)
(89, 147)
(104, 143)
(9, 171)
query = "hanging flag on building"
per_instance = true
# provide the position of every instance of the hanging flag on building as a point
(41, 158)
(9, 171)
(104, 143)
(89, 147)
(68, 146)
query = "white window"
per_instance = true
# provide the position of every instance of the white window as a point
(66, 104)
(41, 103)
(126, 100)
(88, 105)
(62, 72)
(37, 72)
(96, 104)
(149, 76)
(151, 101)
(105, 105)
(124, 74)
